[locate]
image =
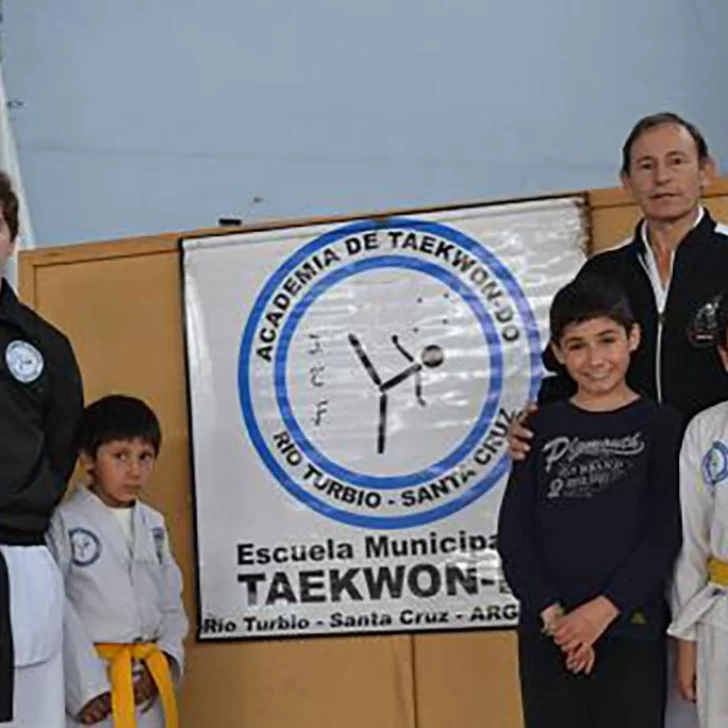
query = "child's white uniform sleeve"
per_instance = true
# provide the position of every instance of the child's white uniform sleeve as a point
(174, 620)
(85, 673)
(696, 503)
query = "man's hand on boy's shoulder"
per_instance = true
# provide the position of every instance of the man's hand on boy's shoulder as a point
(519, 434)
(96, 710)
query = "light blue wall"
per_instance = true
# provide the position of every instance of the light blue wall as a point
(149, 115)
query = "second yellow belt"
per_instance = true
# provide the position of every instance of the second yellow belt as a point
(718, 571)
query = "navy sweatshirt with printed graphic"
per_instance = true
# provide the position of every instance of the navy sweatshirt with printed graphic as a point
(594, 510)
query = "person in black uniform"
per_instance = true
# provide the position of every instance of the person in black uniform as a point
(41, 400)
(673, 270)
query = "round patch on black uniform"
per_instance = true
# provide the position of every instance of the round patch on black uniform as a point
(24, 361)
(703, 326)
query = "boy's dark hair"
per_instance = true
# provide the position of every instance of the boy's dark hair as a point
(10, 204)
(117, 417)
(652, 122)
(588, 297)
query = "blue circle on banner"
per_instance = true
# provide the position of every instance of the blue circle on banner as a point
(490, 406)
(487, 412)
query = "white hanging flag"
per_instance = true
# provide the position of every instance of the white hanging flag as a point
(351, 387)
(9, 163)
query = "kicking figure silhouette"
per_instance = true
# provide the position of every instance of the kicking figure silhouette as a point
(432, 356)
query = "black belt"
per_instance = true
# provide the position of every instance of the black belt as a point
(7, 653)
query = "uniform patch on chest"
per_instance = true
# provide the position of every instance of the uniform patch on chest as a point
(85, 546)
(158, 537)
(703, 325)
(24, 361)
(715, 464)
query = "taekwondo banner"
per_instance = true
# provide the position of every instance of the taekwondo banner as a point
(351, 385)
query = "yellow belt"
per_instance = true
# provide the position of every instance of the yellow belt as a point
(718, 571)
(120, 657)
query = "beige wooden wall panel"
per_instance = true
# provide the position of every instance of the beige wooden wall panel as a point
(614, 215)
(467, 680)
